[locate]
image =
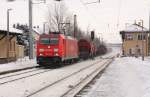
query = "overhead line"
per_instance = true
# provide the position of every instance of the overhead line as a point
(84, 4)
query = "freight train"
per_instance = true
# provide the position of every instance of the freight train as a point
(55, 48)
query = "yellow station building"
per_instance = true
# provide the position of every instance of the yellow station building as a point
(133, 44)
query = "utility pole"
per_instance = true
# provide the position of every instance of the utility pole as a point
(149, 36)
(75, 26)
(30, 31)
(142, 41)
(8, 10)
(31, 44)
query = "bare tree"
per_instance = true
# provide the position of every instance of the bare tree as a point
(58, 17)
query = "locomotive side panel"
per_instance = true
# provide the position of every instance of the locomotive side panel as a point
(71, 48)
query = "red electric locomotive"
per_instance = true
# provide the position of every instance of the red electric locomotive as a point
(56, 48)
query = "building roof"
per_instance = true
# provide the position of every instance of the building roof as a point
(135, 28)
(36, 31)
(12, 31)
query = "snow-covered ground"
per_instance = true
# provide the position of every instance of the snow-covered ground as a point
(125, 77)
(23, 87)
(19, 64)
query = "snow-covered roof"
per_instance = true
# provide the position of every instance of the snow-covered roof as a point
(135, 28)
(12, 30)
(36, 31)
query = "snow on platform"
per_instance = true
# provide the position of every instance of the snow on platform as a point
(125, 77)
(19, 64)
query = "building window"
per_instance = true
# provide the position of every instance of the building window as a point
(144, 37)
(140, 37)
(129, 36)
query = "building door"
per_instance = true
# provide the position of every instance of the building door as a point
(139, 51)
(130, 52)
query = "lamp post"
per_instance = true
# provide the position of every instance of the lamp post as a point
(8, 10)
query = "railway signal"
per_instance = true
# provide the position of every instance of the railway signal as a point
(92, 35)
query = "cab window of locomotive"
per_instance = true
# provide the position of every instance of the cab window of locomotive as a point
(54, 40)
(45, 41)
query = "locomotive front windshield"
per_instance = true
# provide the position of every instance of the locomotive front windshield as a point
(49, 41)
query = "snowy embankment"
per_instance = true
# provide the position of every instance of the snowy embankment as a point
(19, 64)
(125, 77)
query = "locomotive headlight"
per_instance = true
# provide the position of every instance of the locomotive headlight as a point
(41, 54)
(41, 50)
(55, 49)
(56, 54)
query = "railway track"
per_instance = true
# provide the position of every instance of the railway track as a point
(17, 73)
(61, 80)
(4, 79)
(16, 70)
(21, 74)
(89, 80)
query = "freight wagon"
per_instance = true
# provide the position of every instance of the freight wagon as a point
(86, 49)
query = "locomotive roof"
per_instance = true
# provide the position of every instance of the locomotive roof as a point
(57, 35)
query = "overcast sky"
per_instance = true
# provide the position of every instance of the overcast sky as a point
(107, 17)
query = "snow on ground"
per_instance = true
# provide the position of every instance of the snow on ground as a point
(125, 77)
(23, 87)
(19, 64)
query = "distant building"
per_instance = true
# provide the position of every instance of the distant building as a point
(25, 38)
(12, 51)
(132, 40)
(35, 34)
